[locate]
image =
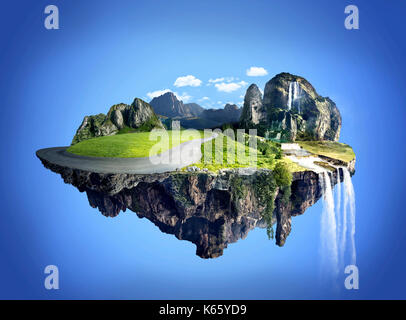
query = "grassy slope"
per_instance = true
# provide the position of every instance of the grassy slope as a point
(237, 161)
(138, 144)
(126, 145)
(336, 150)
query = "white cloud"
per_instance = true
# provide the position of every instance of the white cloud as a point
(230, 87)
(204, 99)
(256, 72)
(157, 93)
(230, 79)
(184, 96)
(222, 79)
(188, 80)
(216, 80)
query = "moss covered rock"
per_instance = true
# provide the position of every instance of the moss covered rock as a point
(139, 116)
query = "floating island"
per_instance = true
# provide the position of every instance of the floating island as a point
(198, 198)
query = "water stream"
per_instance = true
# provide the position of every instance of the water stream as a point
(328, 231)
(337, 225)
(349, 201)
(294, 94)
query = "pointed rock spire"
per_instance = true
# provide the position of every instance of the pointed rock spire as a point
(253, 111)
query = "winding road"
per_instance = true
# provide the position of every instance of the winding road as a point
(178, 157)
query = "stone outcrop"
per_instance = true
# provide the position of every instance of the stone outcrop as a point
(138, 116)
(253, 110)
(210, 210)
(291, 110)
(169, 106)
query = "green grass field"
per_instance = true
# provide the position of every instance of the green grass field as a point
(237, 156)
(232, 153)
(130, 145)
(331, 149)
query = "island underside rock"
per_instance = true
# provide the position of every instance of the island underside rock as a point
(201, 207)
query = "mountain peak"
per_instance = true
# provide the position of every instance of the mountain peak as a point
(169, 94)
(253, 111)
(139, 115)
(230, 107)
(253, 87)
(169, 105)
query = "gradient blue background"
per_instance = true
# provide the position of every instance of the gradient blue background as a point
(112, 51)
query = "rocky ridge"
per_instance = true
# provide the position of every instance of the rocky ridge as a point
(168, 105)
(253, 110)
(139, 115)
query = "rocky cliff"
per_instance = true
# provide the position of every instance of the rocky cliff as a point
(291, 110)
(168, 105)
(253, 111)
(139, 115)
(210, 210)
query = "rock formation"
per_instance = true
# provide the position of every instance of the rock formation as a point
(139, 115)
(253, 110)
(194, 109)
(168, 105)
(210, 210)
(291, 110)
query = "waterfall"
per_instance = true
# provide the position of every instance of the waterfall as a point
(349, 201)
(337, 225)
(290, 95)
(296, 88)
(294, 94)
(338, 207)
(343, 235)
(328, 234)
(337, 221)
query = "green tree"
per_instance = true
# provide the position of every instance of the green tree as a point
(283, 177)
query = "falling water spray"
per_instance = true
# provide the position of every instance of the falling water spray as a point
(338, 197)
(329, 263)
(349, 200)
(290, 98)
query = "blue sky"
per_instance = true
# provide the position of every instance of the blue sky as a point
(109, 52)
